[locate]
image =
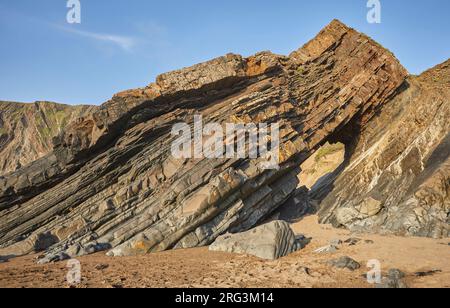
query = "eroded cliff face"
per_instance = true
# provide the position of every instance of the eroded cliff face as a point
(398, 177)
(27, 130)
(111, 182)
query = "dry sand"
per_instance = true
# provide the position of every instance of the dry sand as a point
(201, 268)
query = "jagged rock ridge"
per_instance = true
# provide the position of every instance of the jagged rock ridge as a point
(111, 182)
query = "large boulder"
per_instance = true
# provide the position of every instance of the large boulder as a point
(270, 241)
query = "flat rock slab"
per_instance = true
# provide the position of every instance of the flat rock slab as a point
(270, 241)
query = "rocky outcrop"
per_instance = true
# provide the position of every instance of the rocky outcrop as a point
(111, 182)
(398, 174)
(27, 130)
(270, 241)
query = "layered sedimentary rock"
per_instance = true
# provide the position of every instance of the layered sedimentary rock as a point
(271, 241)
(112, 183)
(397, 178)
(27, 130)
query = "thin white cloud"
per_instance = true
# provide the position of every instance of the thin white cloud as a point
(126, 43)
(148, 35)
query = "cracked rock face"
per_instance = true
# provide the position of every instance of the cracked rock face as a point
(111, 183)
(398, 177)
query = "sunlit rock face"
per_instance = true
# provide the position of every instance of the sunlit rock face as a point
(27, 130)
(321, 165)
(111, 182)
(397, 178)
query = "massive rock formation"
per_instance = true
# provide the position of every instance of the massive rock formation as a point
(111, 182)
(27, 130)
(398, 174)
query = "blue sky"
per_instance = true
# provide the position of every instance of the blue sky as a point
(125, 44)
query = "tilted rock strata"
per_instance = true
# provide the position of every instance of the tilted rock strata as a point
(112, 183)
(88, 136)
(398, 177)
(27, 130)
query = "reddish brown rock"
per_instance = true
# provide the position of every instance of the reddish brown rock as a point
(27, 130)
(397, 177)
(114, 167)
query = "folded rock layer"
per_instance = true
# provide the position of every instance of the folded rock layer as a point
(398, 177)
(111, 182)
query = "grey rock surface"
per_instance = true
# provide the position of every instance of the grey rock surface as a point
(352, 241)
(346, 262)
(271, 241)
(393, 280)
